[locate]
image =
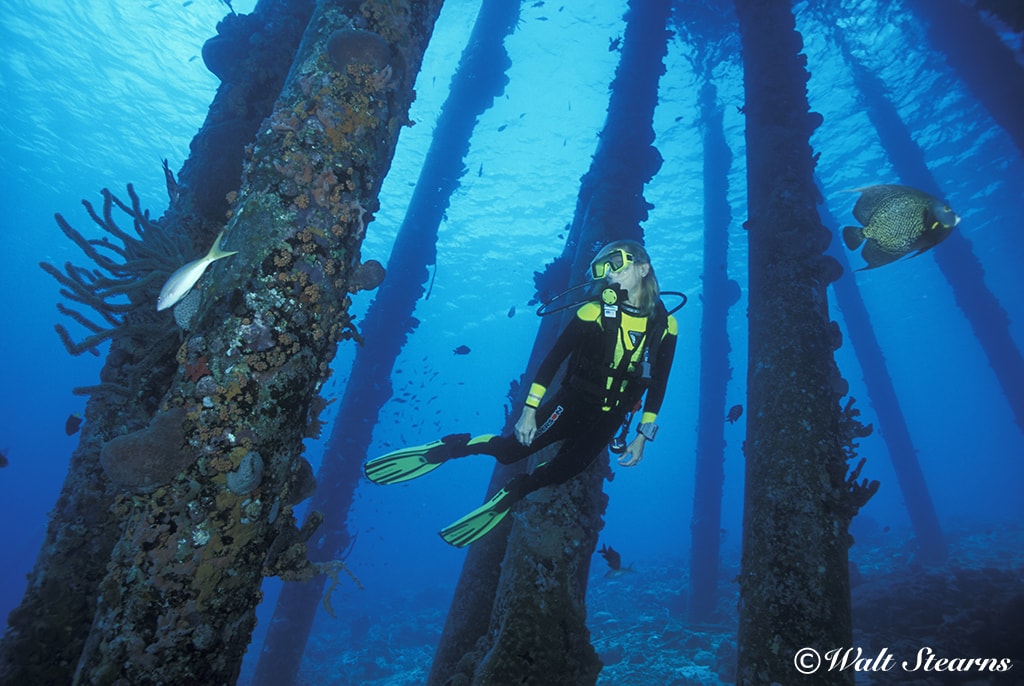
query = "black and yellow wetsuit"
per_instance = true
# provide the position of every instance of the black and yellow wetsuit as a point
(615, 355)
(612, 361)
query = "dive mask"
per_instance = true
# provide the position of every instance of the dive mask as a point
(614, 262)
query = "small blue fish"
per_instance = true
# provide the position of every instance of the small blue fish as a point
(512, 312)
(72, 423)
(181, 281)
(621, 571)
(614, 560)
(462, 350)
(735, 412)
(611, 556)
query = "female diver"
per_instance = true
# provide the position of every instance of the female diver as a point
(617, 348)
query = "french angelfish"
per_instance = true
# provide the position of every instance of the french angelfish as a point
(897, 220)
(181, 281)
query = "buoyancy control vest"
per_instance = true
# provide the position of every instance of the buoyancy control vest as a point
(617, 372)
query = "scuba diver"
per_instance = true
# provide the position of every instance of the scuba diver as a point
(618, 348)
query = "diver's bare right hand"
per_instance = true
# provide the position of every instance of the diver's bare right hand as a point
(526, 427)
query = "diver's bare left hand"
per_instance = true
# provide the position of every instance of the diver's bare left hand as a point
(634, 452)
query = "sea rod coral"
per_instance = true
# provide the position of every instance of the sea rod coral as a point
(119, 289)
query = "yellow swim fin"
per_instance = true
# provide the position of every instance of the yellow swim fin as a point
(480, 521)
(410, 463)
(402, 465)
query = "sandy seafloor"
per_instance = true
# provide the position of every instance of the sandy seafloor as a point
(973, 606)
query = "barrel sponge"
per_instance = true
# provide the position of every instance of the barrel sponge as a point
(145, 459)
(355, 46)
(247, 477)
(366, 276)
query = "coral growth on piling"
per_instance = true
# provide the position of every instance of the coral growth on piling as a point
(250, 369)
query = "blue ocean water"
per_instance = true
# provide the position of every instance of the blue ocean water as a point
(98, 92)
(95, 95)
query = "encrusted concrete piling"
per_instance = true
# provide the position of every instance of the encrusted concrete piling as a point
(177, 605)
(794, 581)
(47, 631)
(387, 324)
(537, 631)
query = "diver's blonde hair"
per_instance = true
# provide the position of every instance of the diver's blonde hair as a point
(650, 292)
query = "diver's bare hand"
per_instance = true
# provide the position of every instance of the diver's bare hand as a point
(634, 452)
(526, 427)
